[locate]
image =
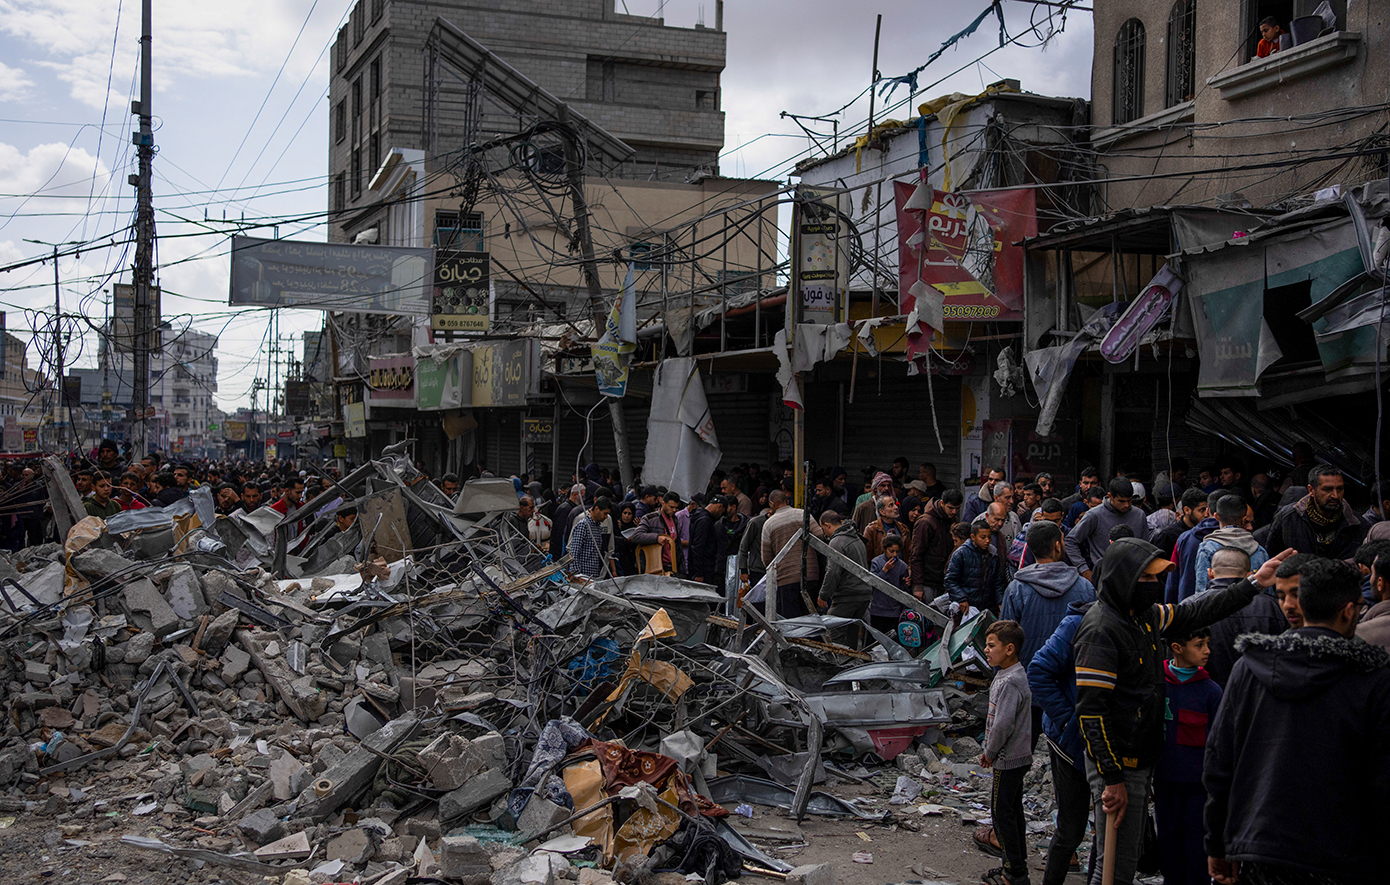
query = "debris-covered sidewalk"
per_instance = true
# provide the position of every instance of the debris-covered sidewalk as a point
(424, 696)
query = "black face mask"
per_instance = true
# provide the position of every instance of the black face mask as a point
(1147, 593)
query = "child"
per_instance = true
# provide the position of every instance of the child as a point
(1178, 793)
(888, 565)
(975, 573)
(1008, 748)
(960, 533)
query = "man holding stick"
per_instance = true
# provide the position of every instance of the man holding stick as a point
(1120, 685)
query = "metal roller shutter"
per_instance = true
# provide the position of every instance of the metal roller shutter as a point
(508, 459)
(600, 448)
(741, 423)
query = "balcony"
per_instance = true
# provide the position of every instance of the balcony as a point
(1287, 65)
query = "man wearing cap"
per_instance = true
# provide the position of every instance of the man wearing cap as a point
(1120, 700)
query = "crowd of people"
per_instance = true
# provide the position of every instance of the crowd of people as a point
(1180, 647)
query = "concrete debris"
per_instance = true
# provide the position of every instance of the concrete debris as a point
(297, 704)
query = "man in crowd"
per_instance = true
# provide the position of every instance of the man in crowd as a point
(1087, 541)
(1264, 501)
(867, 511)
(345, 518)
(886, 524)
(932, 487)
(163, 489)
(930, 546)
(825, 499)
(1119, 679)
(1232, 512)
(1090, 478)
(729, 487)
(1192, 509)
(1261, 615)
(1379, 510)
(984, 496)
(1282, 811)
(291, 499)
(586, 543)
(649, 502)
(449, 485)
(1182, 581)
(250, 496)
(1050, 511)
(565, 514)
(1232, 479)
(109, 457)
(780, 528)
(750, 546)
(1286, 580)
(1321, 522)
(183, 481)
(706, 553)
(1375, 623)
(227, 499)
(1090, 500)
(844, 592)
(659, 527)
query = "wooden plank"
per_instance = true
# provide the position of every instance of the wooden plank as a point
(879, 584)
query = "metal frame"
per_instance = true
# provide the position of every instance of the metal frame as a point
(1127, 82)
(1181, 82)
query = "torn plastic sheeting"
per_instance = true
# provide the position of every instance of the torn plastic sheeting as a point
(741, 788)
(659, 588)
(486, 495)
(138, 520)
(667, 678)
(658, 627)
(883, 708)
(776, 690)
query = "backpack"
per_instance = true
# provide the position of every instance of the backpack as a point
(910, 629)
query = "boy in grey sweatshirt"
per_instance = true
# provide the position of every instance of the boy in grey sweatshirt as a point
(1008, 748)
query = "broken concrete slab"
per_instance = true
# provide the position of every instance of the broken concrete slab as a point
(349, 776)
(185, 593)
(353, 847)
(234, 663)
(812, 874)
(294, 847)
(477, 793)
(148, 608)
(140, 647)
(219, 632)
(98, 562)
(540, 814)
(287, 775)
(543, 868)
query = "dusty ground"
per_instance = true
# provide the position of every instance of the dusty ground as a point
(82, 848)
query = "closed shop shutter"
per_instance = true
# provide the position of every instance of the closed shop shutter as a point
(889, 418)
(741, 425)
(600, 448)
(508, 459)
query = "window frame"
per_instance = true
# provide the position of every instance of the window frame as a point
(1127, 73)
(1182, 54)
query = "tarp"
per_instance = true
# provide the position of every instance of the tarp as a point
(682, 449)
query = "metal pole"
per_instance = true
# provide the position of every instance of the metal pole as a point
(873, 78)
(143, 273)
(61, 400)
(573, 161)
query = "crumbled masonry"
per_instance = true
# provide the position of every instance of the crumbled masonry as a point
(463, 709)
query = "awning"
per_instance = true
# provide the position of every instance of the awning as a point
(1272, 433)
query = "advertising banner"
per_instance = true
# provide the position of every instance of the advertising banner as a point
(391, 381)
(234, 431)
(355, 420)
(460, 295)
(330, 276)
(444, 384)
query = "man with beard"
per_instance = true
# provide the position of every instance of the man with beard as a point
(1089, 538)
(1120, 683)
(930, 547)
(1321, 523)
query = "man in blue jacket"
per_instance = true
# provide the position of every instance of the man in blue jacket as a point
(1182, 581)
(1052, 681)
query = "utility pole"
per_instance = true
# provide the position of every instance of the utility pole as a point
(143, 273)
(597, 306)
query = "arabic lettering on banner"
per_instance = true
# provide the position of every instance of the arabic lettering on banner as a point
(330, 276)
(461, 301)
(613, 352)
(956, 250)
(391, 381)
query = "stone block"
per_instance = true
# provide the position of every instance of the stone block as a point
(812, 874)
(589, 876)
(148, 608)
(262, 826)
(140, 647)
(540, 814)
(542, 868)
(99, 563)
(219, 632)
(295, 847)
(235, 662)
(359, 767)
(352, 847)
(464, 859)
(477, 793)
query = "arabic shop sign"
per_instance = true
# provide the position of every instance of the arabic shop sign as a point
(391, 381)
(460, 298)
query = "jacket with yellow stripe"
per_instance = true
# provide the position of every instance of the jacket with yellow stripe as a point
(1120, 651)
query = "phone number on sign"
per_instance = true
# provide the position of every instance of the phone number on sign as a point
(970, 312)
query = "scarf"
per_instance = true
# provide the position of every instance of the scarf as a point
(1324, 526)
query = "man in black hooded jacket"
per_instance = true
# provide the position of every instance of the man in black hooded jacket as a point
(1295, 766)
(1120, 696)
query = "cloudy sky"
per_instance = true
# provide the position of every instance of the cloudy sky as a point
(240, 100)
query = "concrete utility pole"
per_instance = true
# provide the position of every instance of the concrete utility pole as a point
(599, 308)
(143, 273)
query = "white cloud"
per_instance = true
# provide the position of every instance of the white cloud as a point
(59, 178)
(15, 85)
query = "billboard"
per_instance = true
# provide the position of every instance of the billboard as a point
(234, 431)
(444, 383)
(298, 397)
(330, 276)
(355, 420)
(460, 295)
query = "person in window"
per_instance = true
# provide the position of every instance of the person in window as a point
(1270, 32)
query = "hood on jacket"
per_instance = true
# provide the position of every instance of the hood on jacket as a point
(1048, 579)
(1173, 680)
(1113, 509)
(1235, 537)
(1379, 610)
(1348, 514)
(986, 492)
(1079, 608)
(846, 528)
(936, 507)
(592, 474)
(1303, 663)
(1119, 570)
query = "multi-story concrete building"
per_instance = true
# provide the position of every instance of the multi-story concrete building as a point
(24, 394)
(654, 87)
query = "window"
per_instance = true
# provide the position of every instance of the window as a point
(340, 192)
(1182, 53)
(1127, 86)
(356, 171)
(356, 98)
(705, 101)
(339, 121)
(640, 254)
(377, 7)
(340, 49)
(455, 231)
(376, 76)
(374, 154)
(359, 24)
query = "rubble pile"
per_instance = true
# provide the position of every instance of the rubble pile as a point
(423, 695)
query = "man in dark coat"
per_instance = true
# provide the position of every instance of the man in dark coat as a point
(1120, 697)
(1295, 763)
(1322, 522)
